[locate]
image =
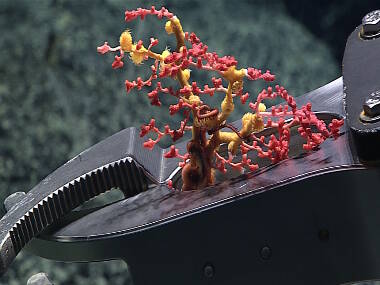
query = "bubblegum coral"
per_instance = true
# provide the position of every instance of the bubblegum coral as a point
(203, 155)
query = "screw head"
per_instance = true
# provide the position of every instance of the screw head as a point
(208, 270)
(371, 25)
(371, 108)
(266, 252)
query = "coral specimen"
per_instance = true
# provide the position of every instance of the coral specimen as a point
(206, 122)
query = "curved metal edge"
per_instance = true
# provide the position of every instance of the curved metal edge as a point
(118, 161)
(92, 248)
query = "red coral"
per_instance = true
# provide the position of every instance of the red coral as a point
(142, 13)
(255, 74)
(197, 55)
(117, 62)
(104, 48)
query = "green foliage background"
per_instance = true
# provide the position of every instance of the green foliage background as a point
(58, 96)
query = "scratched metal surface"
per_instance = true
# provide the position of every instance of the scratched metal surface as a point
(160, 204)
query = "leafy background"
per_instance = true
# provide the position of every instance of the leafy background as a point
(58, 96)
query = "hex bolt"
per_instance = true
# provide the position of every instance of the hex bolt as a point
(371, 108)
(266, 252)
(208, 270)
(12, 200)
(371, 105)
(371, 25)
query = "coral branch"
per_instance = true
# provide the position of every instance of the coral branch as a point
(245, 162)
(142, 13)
(255, 74)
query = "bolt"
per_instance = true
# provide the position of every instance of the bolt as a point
(266, 252)
(208, 270)
(13, 199)
(371, 108)
(371, 105)
(371, 25)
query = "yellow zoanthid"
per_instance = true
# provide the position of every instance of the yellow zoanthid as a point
(126, 41)
(250, 123)
(262, 107)
(163, 55)
(168, 27)
(186, 74)
(137, 57)
(232, 74)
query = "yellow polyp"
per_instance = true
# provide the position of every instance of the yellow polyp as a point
(237, 85)
(258, 123)
(227, 106)
(262, 107)
(232, 75)
(233, 146)
(227, 137)
(227, 103)
(165, 53)
(194, 99)
(186, 74)
(177, 24)
(251, 123)
(232, 139)
(126, 41)
(168, 27)
(137, 57)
